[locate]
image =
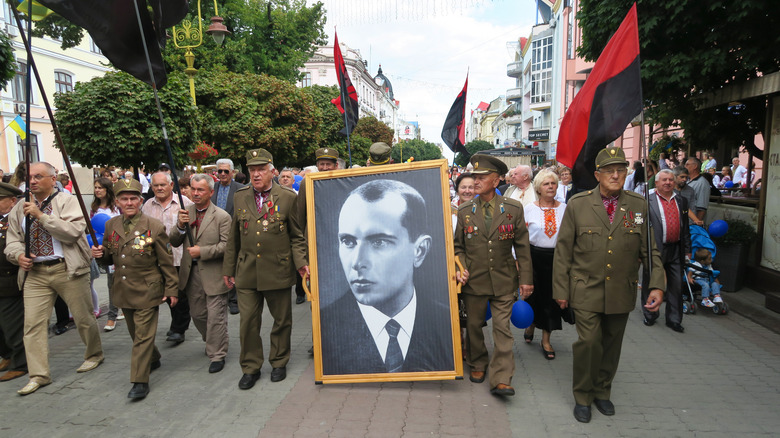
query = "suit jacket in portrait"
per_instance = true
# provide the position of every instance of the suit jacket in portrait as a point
(349, 348)
(144, 271)
(487, 254)
(657, 225)
(596, 263)
(229, 205)
(211, 235)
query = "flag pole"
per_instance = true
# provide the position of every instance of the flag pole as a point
(175, 178)
(346, 120)
(57, 136)
(644, 151)
(27, 147)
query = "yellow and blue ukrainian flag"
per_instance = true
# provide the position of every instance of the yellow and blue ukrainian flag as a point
(19, 126)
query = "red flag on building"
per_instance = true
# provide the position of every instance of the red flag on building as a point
(350, 110)
(113, 26)
(454, 131)
(609, 100)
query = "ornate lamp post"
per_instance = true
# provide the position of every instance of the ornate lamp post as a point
(188, 37)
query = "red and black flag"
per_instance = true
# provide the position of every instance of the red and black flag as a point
(350, 110)
(609, 100)
(114, 28)
(454, 131)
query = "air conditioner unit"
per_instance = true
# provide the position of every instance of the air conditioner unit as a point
(20, 108)
(12, 30)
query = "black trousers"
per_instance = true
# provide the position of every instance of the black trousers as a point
(12, 328)
(180, 314)
(672, 260)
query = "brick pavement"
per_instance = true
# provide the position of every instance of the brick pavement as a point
(720, 378)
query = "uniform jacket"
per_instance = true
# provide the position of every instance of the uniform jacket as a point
(264, 248)
(487, 254)
(66, 224)
(229, 205)
(8, 270)
(212, 236)
(657, 225)
(349, 348)
(596, 263)
(144, 265)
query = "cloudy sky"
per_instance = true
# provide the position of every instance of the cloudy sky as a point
(426, 47)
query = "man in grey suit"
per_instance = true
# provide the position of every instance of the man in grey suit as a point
(223, 198)
(669, 220)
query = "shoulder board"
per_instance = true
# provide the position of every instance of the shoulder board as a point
(581, 195)
(288, 189)
(634, 194)
(465, 205)
(246, 187)
(513, 202)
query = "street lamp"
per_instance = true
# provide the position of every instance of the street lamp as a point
(188, 37)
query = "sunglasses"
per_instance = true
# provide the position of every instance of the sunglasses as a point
(223, 171)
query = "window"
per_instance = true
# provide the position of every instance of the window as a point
(63, 82)
(93, 47)
(19, 86)
(541, 70)
(22, 144)
(306, 81)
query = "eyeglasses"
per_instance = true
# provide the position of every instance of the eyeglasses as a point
(223, 171)
(618, 170)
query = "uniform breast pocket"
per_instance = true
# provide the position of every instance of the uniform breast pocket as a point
(589, 238)
(632, 240)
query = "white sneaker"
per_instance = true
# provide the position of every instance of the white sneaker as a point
(717, 299)
(120, 316)
(707, 303)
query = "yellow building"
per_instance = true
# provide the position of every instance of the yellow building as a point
(60, 70)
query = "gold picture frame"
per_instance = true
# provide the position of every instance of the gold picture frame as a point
(346, 353)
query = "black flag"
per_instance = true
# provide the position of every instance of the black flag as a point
(350, 108)
(454, 131)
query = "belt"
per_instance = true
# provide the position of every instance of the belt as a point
(50, 262)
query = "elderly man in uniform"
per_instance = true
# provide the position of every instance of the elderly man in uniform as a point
(200, 276)
(59, 265)
(137, 245)
(262, 252)
(489, 227)
(14, 362)
(601, 243)
(379, 154)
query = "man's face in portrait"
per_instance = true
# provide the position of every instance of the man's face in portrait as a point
(377, 254)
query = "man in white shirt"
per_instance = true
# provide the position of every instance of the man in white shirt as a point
(739, 172)
(521, 189)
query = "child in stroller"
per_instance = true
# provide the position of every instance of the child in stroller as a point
(700, 272)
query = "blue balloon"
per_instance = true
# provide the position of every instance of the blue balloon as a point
(728, 184)
(99, 222)
(296, 186)
(488, 314)
(522, 314)
(297, 178)
(98, 236)
(718, 228)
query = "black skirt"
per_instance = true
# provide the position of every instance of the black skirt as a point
(547, 313)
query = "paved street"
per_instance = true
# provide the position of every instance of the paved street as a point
(720, 378)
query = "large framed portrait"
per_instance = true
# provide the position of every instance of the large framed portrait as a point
(384, 300)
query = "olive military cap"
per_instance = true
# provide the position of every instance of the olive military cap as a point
(327, 154)
(610, 155)
(379, 153)
(8, 190)
(484, 164)
(126, 185)
(257, 157)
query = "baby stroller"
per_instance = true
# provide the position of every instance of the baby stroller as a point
(700, 239)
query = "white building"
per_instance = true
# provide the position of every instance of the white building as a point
(59, 70)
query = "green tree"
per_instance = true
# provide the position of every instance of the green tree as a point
(113, 120)
(689, 48)
(419, 149)
(239, 112)
(7, 61)
(371, 128)
(473, 147)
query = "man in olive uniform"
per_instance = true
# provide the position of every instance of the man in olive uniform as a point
(379, 154)
(137, 245)
(489, 227)
(11, 300)
(263, 250)
(601, 243)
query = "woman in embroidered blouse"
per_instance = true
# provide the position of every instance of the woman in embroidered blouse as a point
(543, 219)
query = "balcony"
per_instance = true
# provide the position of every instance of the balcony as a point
(514, 119)
(514, 69)
(514, 94)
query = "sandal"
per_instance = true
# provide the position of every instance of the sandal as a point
(528, 338)
(548, 354)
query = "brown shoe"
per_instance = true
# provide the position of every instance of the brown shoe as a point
(477, 376)
(10, 375)
(4, 364)
(503, 389)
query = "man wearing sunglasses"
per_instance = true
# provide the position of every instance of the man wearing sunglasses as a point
(224, 191)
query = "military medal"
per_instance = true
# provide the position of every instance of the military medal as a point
(508, 217)
(639, 220)
(265, 223)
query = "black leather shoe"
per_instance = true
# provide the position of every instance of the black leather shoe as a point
(217, 366)
(139, 391)
(170, 332)
(233, 308)
(675, 326)
(604, 406)
(248, 380)
(582, 413)
(278, 374)
(156, 364)
(176, 338)
(300, 300)
(503, 389)
(649, 322)
(58, 330)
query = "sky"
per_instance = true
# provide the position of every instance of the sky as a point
(426, 48)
